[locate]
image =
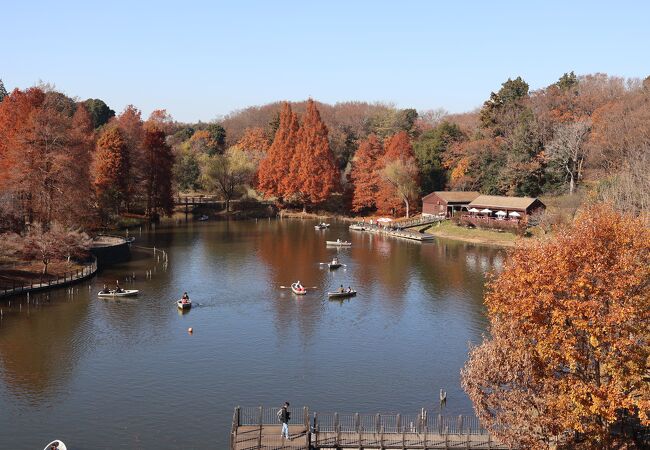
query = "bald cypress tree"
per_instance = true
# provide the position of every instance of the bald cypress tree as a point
(274, 168)
(312, 173)
(365, 174)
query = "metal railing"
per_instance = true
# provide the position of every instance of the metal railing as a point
(421, 220)
(42, 284)
(355, 430)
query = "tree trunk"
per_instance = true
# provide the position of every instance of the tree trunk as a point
(227, 204)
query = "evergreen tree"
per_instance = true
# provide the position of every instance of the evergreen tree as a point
(99, 111)
(567, 81)
(429, 151)
(3, 91)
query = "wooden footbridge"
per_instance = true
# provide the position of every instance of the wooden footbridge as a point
(259, 429)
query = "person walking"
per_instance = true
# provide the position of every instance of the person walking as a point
(285, 417)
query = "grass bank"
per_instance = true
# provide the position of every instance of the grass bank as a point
(448, 230)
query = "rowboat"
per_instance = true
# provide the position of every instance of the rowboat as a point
(184, 304)
(322, 226)
(298, 290)
(124, 293)
(203, 218)
(357, 227)
(343, 294)
(57, 444)
(339, 243)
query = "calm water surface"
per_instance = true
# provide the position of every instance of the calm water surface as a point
(126, 374)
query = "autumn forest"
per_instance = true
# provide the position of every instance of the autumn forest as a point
(80, 164)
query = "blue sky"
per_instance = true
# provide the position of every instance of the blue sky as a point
(200, 60)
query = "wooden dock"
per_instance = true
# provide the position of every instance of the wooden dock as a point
(396, 232)
(259, 429)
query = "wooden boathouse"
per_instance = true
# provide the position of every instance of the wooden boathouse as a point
(258, 428)
(446, 203)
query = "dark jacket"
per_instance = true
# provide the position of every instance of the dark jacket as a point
(285, 415)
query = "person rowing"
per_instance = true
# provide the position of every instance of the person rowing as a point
(185, 298)
(106, 290)
(299, 286)
(335, 260)
(341, 290)
(118, 289)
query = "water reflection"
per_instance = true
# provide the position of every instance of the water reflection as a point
(42, 341)
(389, 348)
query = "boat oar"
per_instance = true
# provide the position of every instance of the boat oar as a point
(306, 287)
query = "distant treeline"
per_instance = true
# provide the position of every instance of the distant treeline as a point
(80, 164)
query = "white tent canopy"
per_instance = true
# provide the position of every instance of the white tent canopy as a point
(486, 211)
(384, 219)
(473, 210)
(501, 213)
(514, 214)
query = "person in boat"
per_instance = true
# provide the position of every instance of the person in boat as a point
(341, 290)
(299, 286)
(54, 446)
(106, 290)
(349, 289)
(185, 298)
(118, 289)
(338, 241)
(335, 260)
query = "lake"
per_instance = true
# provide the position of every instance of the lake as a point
(102, 373)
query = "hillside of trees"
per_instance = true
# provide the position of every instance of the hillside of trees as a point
(80, 164)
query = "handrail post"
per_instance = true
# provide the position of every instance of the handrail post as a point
(259, 436)
(381, 438)
(377, 423)
(337, 429)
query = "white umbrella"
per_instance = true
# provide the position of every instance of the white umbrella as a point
(501, 213)
(514, 214)
(473, 210)
(486, 211)
(384, 219)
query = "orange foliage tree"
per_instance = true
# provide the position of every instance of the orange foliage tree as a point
(158, 171)
(312, 173)
(365, 173)
(274, 169)
(569, 338)
(132, 127)
(392, 198)
(44, 155)
(254, 140)
(111, 169)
